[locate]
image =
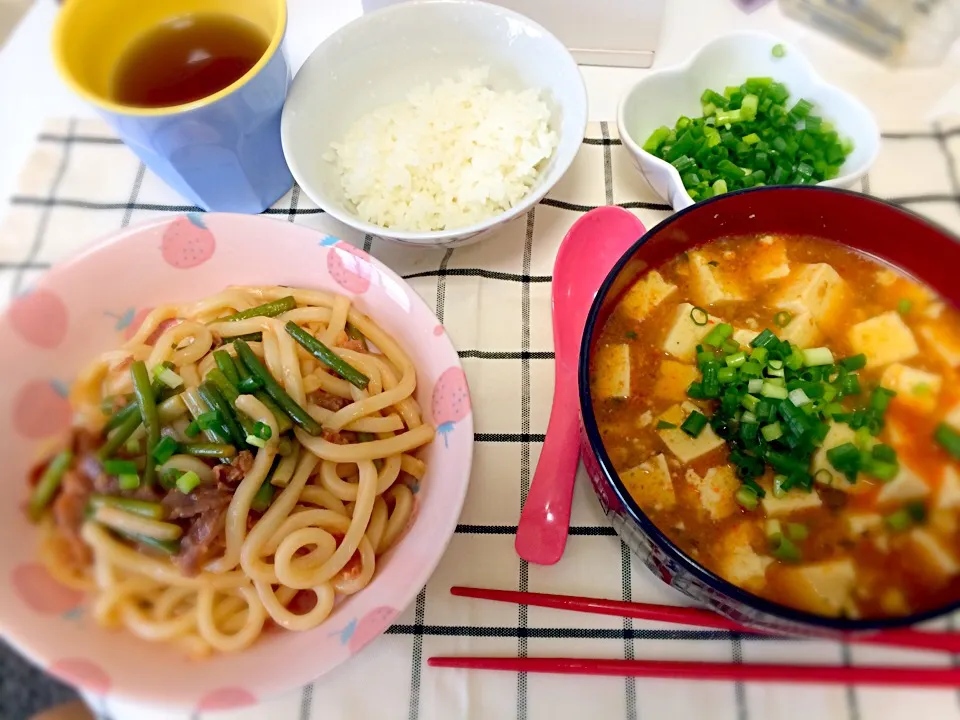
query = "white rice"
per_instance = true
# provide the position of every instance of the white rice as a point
(448, 156)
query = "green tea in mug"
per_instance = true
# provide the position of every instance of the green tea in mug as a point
(187, 59)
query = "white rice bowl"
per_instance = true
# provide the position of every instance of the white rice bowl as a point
(450, 155)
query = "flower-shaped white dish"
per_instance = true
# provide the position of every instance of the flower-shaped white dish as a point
(662, 97)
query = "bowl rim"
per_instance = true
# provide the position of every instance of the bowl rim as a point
(642, 155)
(633, 509)
(441, 536)
(575, 115)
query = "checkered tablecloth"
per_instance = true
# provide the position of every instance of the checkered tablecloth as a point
(494, 299)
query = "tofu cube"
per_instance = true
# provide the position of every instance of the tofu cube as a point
(673, 380)
(768, 259)
(650, 484)
(802, 331)
(884, 339)
(905, 487)
(825, 588)
(738, 562)
(716, 490)
(645, 295)
(612, 371)
(948, 494)
(684, 334)
(916, 389)
(933, 554)
(708, 284)
(685, 448)
(792, 502)
(944, 342)
(815, 289)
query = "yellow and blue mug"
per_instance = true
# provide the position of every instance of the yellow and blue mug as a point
(221, 152)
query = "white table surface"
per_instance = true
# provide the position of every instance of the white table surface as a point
(30, 91)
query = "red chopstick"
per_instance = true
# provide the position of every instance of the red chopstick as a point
(673, 670)
(906, 638)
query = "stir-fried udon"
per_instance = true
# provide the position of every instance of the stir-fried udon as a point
(242, 459)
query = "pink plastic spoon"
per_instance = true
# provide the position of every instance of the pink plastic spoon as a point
(595, 242)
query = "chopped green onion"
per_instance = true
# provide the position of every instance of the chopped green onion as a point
(168, 478)
(119, 467)
(208, 420)
(778, 50)
(663, 425)
(797, 531)
(736, 360)
(694, 424)
(730, 346)
(256, 441)
(699, 316)
(904, 306)
(188, 482)
(755, 385)
(765, 339)
(854, 362)
(823, 477)
(747, 497)
(817, 356)
(128, 481)
(884, 453)
(776, 392)
(899, 520)
(948, 439)
(750, 369)
(783, 548)
(718, 334)
(192, 430)
(165, 449)
(880, 399)
(771, 432)
(782, 319)
(167, 376)
(798, 397)
(759, 355)
(750, 402)
(775, 364)
(778, 485)
(846, 459)
(262, 431)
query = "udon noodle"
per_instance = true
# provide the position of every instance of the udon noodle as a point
(276, 532)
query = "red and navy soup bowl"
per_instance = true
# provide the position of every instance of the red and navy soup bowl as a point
(884, 231)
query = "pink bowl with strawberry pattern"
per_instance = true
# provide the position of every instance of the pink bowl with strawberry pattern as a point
(92, 303)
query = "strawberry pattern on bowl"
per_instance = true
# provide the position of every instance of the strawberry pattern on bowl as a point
(176, 260)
